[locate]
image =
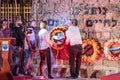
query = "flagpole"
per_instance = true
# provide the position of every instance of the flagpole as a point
(7, 14)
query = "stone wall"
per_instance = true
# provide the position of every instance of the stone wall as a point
(104, 19)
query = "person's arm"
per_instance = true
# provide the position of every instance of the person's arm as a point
(34, 46)
(67, 38)
(1, 34)
(28, 41)
(47, 39)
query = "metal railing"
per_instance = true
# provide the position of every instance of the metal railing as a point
(10, 11)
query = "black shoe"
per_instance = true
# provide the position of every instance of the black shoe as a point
(15, 74)
(25, 73)
(75, 77)
(49, 76)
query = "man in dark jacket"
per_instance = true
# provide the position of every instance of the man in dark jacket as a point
(18, 47)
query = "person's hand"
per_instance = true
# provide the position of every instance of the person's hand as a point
(19, 49)
(32, 51)
(36, 49)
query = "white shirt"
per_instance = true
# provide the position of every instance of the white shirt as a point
(32, 35)
(44, 39)
(31, 38)
(73, 35)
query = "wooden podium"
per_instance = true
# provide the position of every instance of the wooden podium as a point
(5, 47)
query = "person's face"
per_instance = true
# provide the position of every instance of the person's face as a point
(33, 24)
(19, 23)
(46, 26)
(4, 25)
(41, 25)
(67, 25)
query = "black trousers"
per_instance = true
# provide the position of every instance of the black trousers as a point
(75, 59)
(18, 59)
(45, 55)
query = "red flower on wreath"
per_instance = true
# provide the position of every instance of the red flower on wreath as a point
(92, 50)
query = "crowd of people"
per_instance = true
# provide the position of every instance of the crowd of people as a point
(28, 41)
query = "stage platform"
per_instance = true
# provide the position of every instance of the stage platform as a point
(37, 78)
(111, 77)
